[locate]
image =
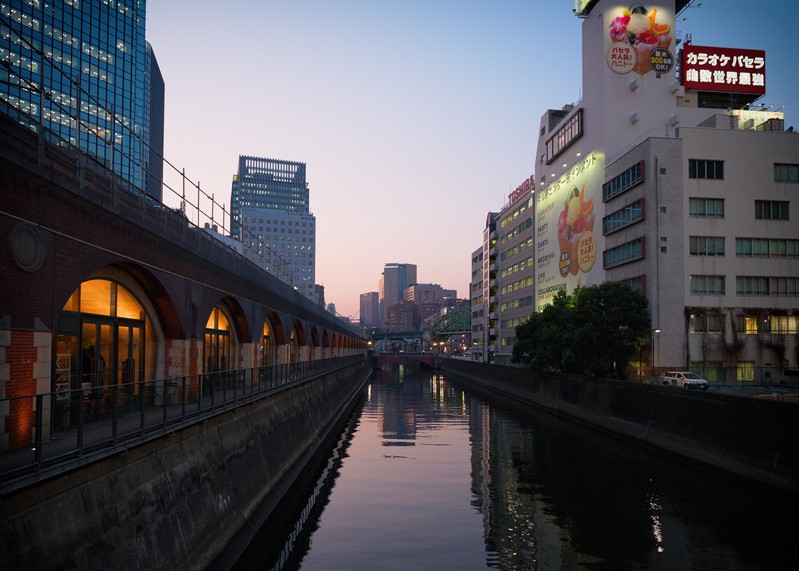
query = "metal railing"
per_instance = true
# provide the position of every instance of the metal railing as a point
(59, 431)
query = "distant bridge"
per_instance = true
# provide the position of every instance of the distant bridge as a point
(427, 360)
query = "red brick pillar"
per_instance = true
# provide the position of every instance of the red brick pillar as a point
(25, 366)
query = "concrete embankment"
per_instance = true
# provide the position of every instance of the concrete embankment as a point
(177, 502)
(755, 440)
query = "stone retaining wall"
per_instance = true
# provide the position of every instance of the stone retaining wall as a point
(176, 503)
(753, 439)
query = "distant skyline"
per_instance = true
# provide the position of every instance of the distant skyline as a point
(415, 119)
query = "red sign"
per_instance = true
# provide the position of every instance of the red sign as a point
(724, 69)
(526, 186)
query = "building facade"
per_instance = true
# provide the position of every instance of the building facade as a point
(270, 214)
(429, 293)
(478, 309)
(673, 184)
(369, 315)
(154, 127)
(393, 281)
(88, 88)
(507, 275)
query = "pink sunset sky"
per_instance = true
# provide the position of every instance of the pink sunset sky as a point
(415, 118)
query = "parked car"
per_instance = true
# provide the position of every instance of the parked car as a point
(685, 380)
(788, 377)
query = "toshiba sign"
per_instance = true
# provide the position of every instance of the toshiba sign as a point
(723, 69)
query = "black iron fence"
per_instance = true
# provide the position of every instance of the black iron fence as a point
(51, 433)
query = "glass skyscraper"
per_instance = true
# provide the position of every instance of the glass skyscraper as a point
(79, 69)
(270, 214)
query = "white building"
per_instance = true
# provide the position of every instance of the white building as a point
(674, 187)
(283, 243)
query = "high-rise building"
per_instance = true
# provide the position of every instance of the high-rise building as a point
(271, 216)
(369, 315)
(673, 183)
(79, 70)
(502, 284)
(395, 278)
(479, 341)
(268, 184)
(153, 134)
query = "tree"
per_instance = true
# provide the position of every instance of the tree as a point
(596, 331)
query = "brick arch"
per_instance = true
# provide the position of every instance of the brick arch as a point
(165, 312)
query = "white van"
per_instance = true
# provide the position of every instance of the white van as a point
(788, 378)
(684, 380)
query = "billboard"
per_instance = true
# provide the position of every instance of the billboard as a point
(639, 39)
(727, 70)
(568, 230)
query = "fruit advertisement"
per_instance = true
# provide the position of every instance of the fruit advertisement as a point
(640, 39)
(568, 234)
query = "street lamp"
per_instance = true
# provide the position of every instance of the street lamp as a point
(654, 332)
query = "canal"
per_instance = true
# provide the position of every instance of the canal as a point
(427, 476)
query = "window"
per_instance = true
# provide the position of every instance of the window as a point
(706, 246)
(745, 371)
(766, 248)
(623, 182)
(570, 131)
(706, 207)
(623, 254)
(747, 324)
(713, 371)
(706, 323)
(627, 216)
(751, 285)
(762, 285)
(637, 283)
(706, 285)
(771, 209)
(784, 324)
(786, 173)
(711, 170)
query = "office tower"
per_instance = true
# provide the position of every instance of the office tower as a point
(395, 278)
(270, 214)
(369, 314)
(153, 135)
(78, 69)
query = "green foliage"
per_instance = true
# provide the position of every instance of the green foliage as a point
(596, 330)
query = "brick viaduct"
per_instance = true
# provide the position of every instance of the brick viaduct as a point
(66, 220)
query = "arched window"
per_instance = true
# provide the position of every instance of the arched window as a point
(217, 342)
(266, 350)
(103, 338)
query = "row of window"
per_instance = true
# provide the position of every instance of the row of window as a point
(697, 169)
(509, 271)
(707, 169)
(714, 208)
(246, 219)
(745, 247)
(515, 286)
(627, 216)
(744, 285)
(623, 254)
(625, 181)
(525, 224)
(712, 322)
(516, 250)
(528, 301)
(516, 213)
(716, 371)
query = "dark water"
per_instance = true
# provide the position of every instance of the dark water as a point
(427, 476)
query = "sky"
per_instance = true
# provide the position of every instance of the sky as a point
(415, 118)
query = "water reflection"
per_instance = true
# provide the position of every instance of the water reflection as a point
(427, 476)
